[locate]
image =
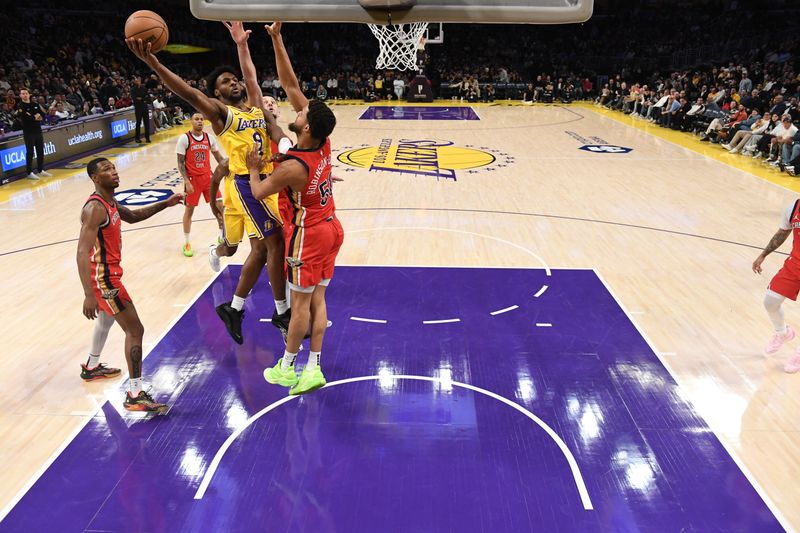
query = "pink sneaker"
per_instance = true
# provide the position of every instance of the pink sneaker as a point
(793, 364)
(778, 339)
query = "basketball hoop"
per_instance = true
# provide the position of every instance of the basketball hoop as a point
(398, 44)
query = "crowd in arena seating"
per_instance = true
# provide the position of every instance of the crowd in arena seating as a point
(75, 63)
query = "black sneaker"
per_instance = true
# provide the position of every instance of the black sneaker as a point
(101, 371)
(282, 322)
(144, 402)
(233, 321)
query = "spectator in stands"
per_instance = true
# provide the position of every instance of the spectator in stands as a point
(781, 145)
(322, 92)
(61, 113)
(96, 109)
(124, 101)
(742, 137)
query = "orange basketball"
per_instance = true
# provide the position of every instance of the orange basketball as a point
(149, 27)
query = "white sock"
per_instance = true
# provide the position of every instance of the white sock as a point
(288, 359)
(313, 359)
(772, 303)
(237, 303)
(186, 236)
(281, 306)
(93, 361)
(102, 326)
(135, 386)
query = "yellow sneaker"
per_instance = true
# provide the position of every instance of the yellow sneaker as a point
(187, 250)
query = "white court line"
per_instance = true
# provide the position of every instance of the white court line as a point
(371, 320)
(506, 310)
(445, 321)
(544, 325)
(573, 465)
(541, 291)
(474, 234)
(15, 500)
(770, 504)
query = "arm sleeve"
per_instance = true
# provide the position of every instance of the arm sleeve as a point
(786, 218)
(284, 145)
(182, 145)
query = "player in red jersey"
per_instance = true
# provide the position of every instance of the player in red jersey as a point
(785, 284)
(194, 150)
(105, 297)
(313, 234)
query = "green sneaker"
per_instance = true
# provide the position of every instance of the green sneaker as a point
(310, 380)
(187, 250)
(277, 376)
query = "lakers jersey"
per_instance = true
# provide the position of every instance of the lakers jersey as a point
(242, 130)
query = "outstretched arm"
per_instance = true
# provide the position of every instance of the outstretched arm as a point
(285, 71)
(254, 95)
(132, 216)
(211, 108)
(240, 36)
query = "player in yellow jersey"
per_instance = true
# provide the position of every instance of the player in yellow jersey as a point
(238, 127)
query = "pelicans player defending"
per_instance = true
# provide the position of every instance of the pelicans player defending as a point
(106, 300)
(313, 234)
(239, 128)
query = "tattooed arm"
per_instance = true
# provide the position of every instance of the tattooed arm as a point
(187, 185)
(779, 238)
(132, 216)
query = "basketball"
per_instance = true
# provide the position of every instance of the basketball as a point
(149, 27)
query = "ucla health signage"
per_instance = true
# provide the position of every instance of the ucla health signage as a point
(15, 156)
(68, 140)
(119, 128)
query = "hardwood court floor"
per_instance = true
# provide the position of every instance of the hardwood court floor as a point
(672, 231)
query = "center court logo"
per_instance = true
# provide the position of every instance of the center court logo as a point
(425, 157)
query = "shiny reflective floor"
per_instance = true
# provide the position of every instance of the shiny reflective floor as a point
(601, 438)
(470, 390)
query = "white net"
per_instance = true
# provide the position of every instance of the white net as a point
(398, 44)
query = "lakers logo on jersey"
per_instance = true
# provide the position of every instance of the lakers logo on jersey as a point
(243, 130)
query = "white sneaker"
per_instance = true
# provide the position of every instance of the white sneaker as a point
(33, 176)
(726, 146)
(213, 258)
(44, 173)
(734, 151)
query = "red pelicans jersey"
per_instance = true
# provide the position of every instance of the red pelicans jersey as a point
(314, 202)
(198, 156)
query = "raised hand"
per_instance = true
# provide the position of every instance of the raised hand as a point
(238, 33)
(142, 50)
(274, 29)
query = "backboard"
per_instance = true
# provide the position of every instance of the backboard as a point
(465, 11)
